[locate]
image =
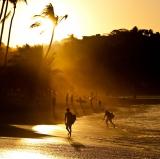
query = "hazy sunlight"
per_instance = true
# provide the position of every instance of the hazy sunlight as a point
(22, 33)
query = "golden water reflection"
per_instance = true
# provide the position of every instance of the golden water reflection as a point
(48, 129)
(53, 134)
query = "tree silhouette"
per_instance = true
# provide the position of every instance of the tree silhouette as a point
(125, 61)
(3, 21)
(2, 7)
(48, 12)
(14, 2)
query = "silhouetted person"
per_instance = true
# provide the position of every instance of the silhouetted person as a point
(100, 104)
(80, 101)
(53, 101)
(72, 99)
(91, 101)
(67, 97)
(68, 121)
(108, 116)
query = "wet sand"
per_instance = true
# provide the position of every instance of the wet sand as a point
(137, 136)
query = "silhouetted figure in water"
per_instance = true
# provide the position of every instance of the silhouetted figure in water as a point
(68, 121)
(108, 116)
(71, 98)
(91, 101)
(67, 97)
(100, 105)
(80, 101)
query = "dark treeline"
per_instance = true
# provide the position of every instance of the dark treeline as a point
(125, 62)
(26, 84)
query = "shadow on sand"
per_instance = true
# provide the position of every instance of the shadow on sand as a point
(7, 130)
(76, 145)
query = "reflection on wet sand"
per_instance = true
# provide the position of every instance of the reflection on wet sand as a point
(23, 154)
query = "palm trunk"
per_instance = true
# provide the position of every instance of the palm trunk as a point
(3, 3)
(50, 44)
(9, 34)
(2, 29)
(53, 36)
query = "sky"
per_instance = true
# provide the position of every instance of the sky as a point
(85, 18)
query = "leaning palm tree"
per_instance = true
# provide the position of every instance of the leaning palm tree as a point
(48, 12)
(14, 2)
(50, 44)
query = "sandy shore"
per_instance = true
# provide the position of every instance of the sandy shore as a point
(136, 136)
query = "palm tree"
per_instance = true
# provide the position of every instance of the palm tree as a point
(50, 44)
(3, 22)
(48, 12)
(14, 2)
(2, 7)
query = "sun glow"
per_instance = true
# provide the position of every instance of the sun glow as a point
(22, 33)
(83, 18)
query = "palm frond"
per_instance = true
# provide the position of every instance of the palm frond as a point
(36, 24)
(7, 15)
(25, 1)
(48, 10)
(14, 2)
(37, 15)
(66, 16)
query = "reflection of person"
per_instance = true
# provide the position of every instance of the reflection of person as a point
(108, 116)
(68, 121)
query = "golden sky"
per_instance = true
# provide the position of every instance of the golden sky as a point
(85, 17)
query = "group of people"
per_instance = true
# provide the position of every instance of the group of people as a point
(108, 117)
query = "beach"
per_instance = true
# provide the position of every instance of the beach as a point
(137, 136)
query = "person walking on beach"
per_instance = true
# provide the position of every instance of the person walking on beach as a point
(68, 121)
(108, 116)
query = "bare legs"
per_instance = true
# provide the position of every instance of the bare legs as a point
(69, 129)
(110, 120)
